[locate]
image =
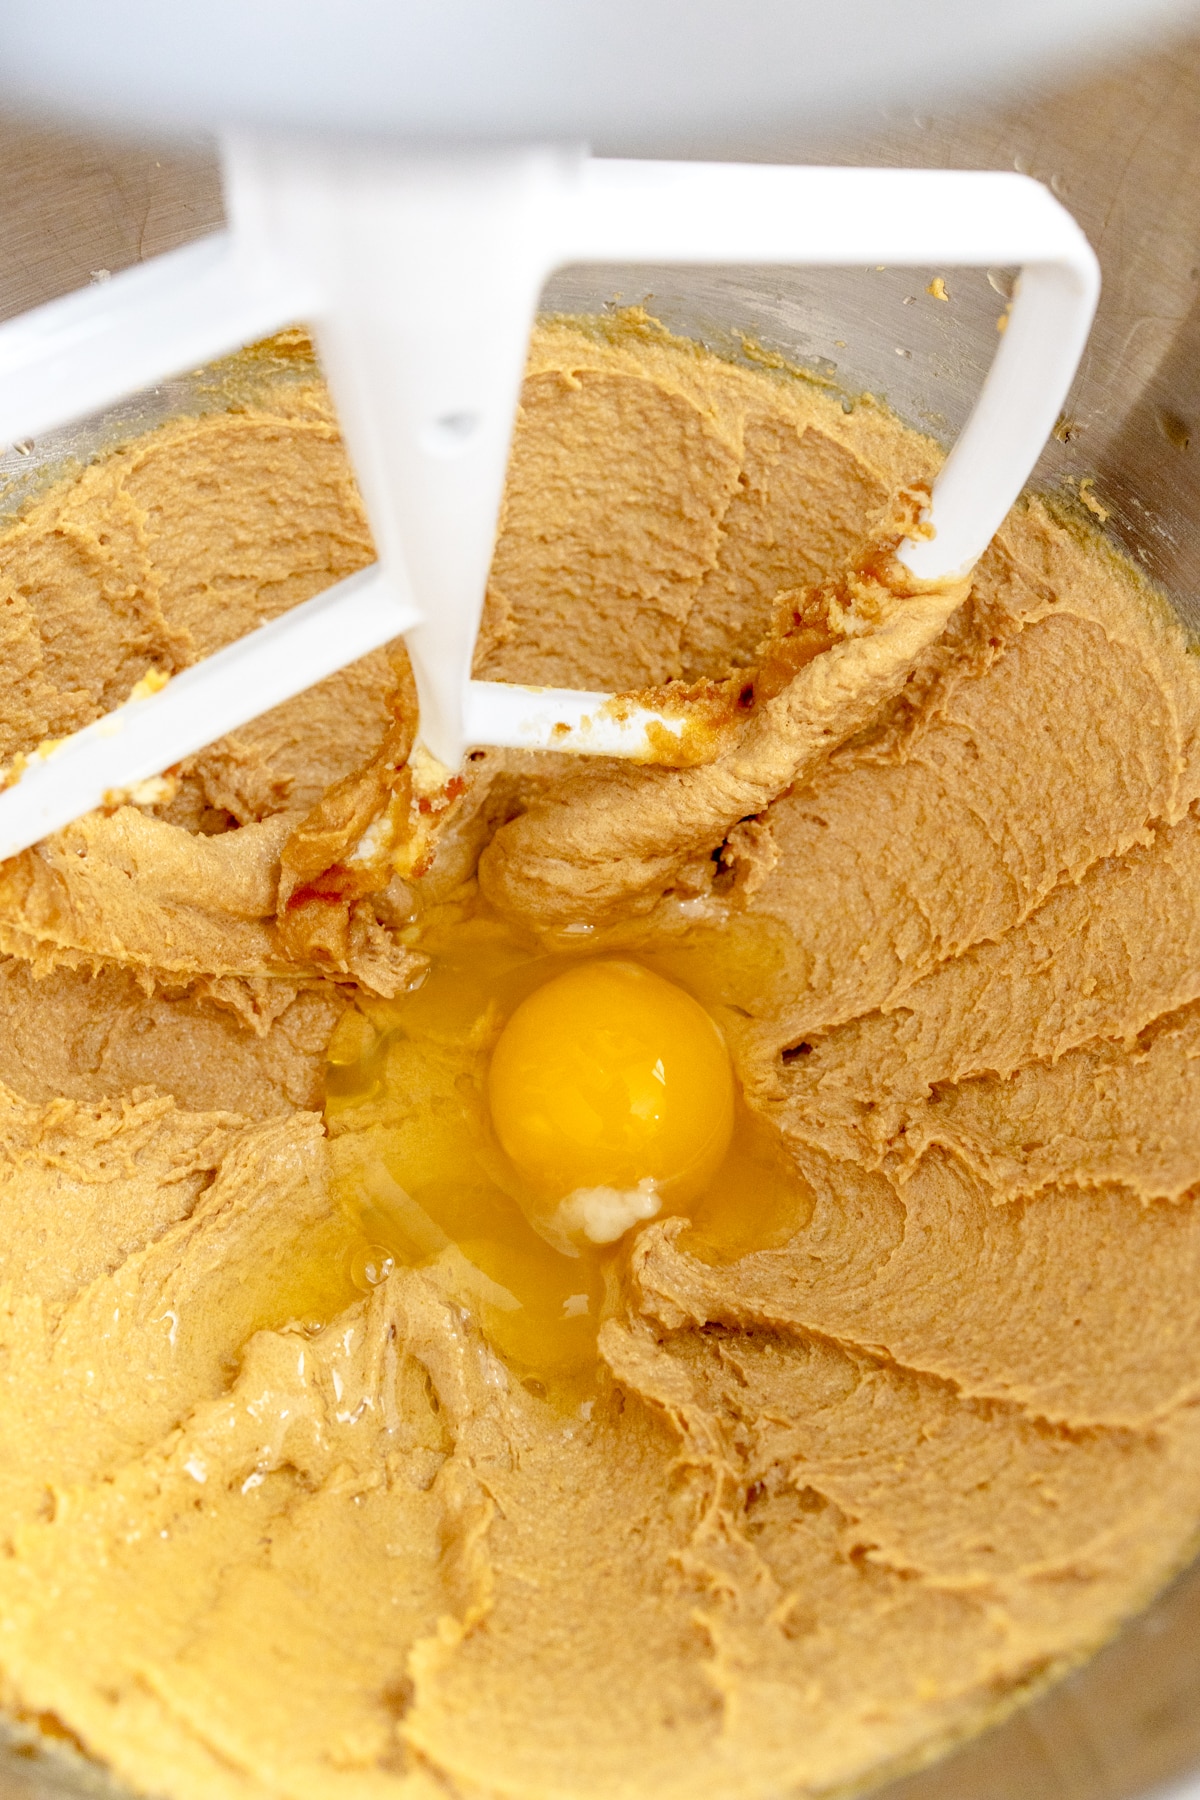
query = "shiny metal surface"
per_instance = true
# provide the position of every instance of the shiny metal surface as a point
(1123, 151)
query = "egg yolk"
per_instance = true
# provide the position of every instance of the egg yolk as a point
(608, 1076)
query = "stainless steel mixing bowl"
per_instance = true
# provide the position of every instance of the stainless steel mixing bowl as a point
(1123, 152)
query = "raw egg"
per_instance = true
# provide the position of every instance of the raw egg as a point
(609, 1077)
(502, 1125)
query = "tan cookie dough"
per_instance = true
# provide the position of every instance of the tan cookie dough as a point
(833, 1502)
